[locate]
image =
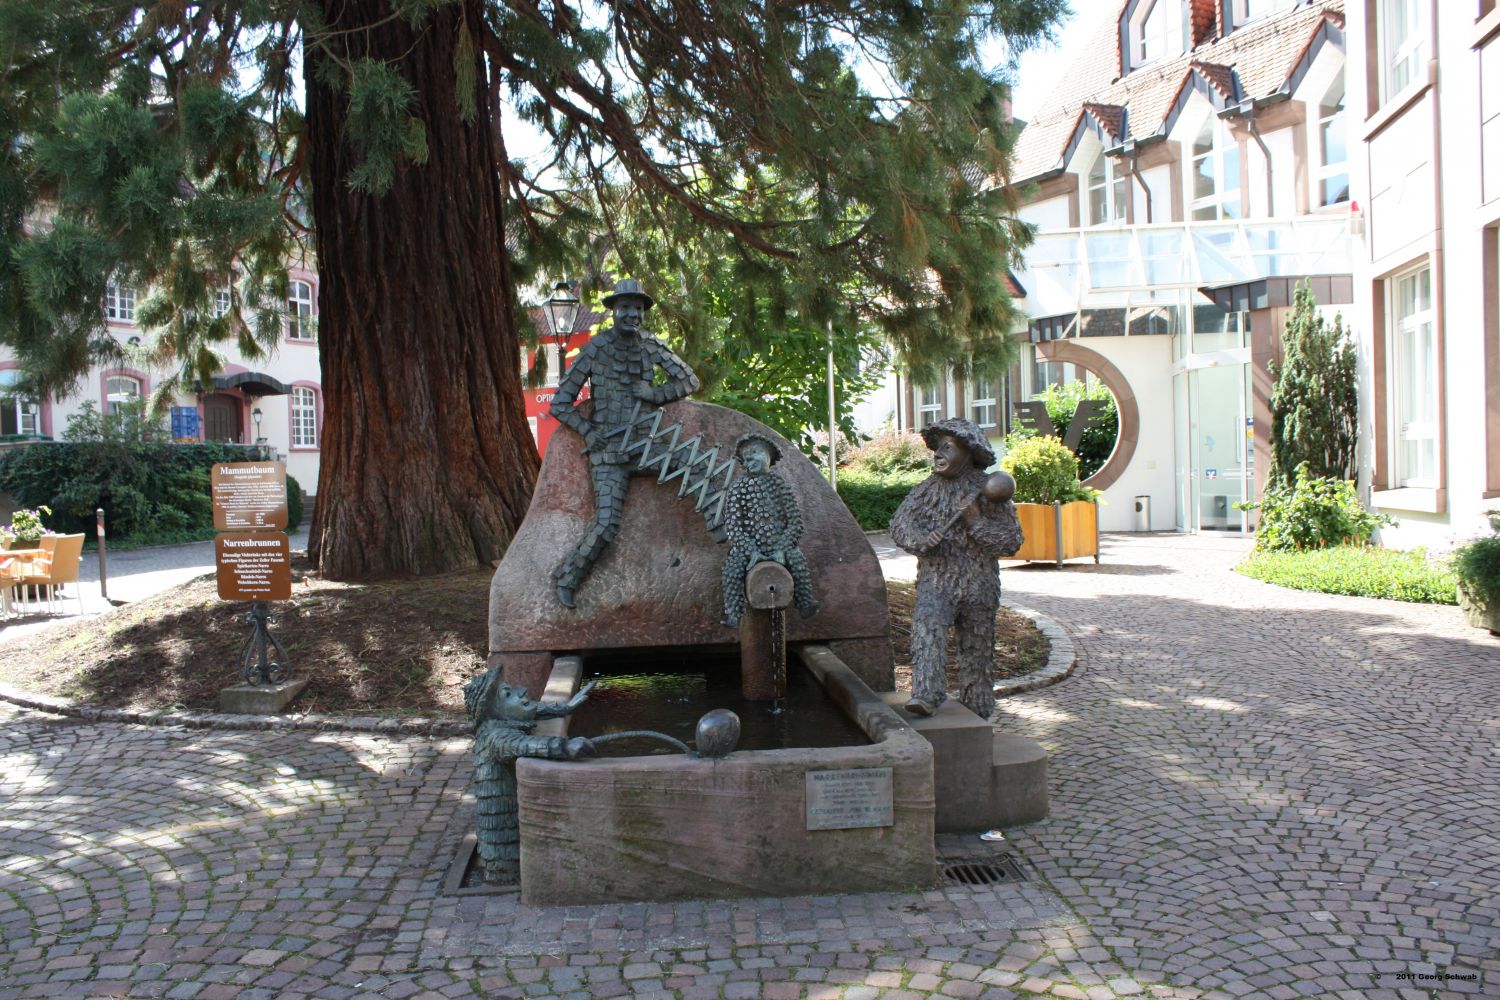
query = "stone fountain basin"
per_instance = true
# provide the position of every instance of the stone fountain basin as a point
(679, 827)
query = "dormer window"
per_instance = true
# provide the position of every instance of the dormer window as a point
(1214, 185)
(1244, 11)
(1107, 192)
(1157, 30)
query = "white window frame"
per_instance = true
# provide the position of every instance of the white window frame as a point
(1224, 202)
(1413, 352)
(304, 417)
(1157, 31)
(1328, 170)
(1111, 185)
(119, 303)
(112, 398)
(26, 413)
(1403, 53)
(929, 405)
(223, 302)
(988, 404)
(1242, 12)
(299, 312)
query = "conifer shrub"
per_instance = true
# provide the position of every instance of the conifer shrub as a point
(1314, 397)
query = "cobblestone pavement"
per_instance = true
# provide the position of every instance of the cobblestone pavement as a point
(1255, 793)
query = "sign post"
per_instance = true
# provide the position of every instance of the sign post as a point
(253, 558)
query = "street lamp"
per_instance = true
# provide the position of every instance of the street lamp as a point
(562, 312)
(255, 415)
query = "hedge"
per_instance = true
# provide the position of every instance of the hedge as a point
(150, 491)
(873, 497)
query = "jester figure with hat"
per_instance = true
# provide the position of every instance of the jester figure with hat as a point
(764, 525)
(620, 364)
(957, 522)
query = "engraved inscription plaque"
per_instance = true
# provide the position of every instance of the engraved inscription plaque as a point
(847, 799)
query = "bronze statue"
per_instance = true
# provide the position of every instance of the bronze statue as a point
(957, 522)
(764, 524)
(620, 363)
(503, 720)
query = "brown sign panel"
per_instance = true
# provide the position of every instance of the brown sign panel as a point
(249, 496)
(254, 565)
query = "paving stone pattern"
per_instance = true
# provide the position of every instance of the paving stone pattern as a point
(1255, 793)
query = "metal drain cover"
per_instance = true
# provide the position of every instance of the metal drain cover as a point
(983, 871)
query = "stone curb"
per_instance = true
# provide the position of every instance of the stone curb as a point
(417, 726)
(1061, 662)
(1062, 659)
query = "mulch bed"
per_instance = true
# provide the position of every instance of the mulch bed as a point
(401, 647)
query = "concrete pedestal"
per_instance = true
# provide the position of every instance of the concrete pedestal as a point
(1018, 781)
(259, 699)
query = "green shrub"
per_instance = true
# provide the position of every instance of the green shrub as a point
(1045, 472)
(1098, 438)
(1358, 570)
(293, 503)
(1476, 564)
(872, 498)
(150, 491)
(1313, 512)
(892, 451)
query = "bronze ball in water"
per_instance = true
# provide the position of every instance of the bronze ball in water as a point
(718, 733)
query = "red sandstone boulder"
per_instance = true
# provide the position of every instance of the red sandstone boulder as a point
(658, 584)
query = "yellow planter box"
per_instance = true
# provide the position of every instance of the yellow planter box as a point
(1076, 524)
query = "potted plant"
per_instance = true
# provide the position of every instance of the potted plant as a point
(1476, 564)
(1059, 516)
(25, 528)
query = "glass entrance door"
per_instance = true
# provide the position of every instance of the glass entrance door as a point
(1214, 433)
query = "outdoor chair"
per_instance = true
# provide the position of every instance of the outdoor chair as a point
(59, 566)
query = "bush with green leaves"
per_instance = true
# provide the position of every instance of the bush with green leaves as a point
(294, 498)
(150, 491)
(891, 451)
(1357, 570)
(1313, 512)
(1476, 564)
(872, 497)
(1045, 472)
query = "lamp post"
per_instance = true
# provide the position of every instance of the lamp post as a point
(562, 313)
(255, 415)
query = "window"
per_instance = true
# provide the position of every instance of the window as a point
(304, 417)
(1108, 192)
(1215, 183)
(120, 389)
(299, 312)
(1156, 31)
(119, 303)
(929, 406)
(18, 415)
(982, 405)
(1249, 10)
(1333, 174)
(1413, 352)
(1402, 31)
(223, 300)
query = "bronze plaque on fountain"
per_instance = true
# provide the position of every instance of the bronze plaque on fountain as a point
(849, 798)
(254, 566)
(249, 496)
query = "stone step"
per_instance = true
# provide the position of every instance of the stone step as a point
(1018, 781)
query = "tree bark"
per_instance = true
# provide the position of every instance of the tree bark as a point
(427, 460)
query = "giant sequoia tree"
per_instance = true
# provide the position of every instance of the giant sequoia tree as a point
(845, 143)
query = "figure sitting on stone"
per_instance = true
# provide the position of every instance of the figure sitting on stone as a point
(503, 722)
(620, 364)
(764, 524)
(957, 530)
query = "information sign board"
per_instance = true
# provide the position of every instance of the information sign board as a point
(249, 496)
(254, 565)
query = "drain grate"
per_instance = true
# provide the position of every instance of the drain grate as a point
(983, 871)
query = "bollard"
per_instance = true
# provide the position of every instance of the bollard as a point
(103, 574)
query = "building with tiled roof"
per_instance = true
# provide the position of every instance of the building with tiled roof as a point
(1186, 174)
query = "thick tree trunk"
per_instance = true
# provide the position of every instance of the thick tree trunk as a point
(427, 462)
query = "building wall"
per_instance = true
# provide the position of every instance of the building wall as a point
(1425, 162)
